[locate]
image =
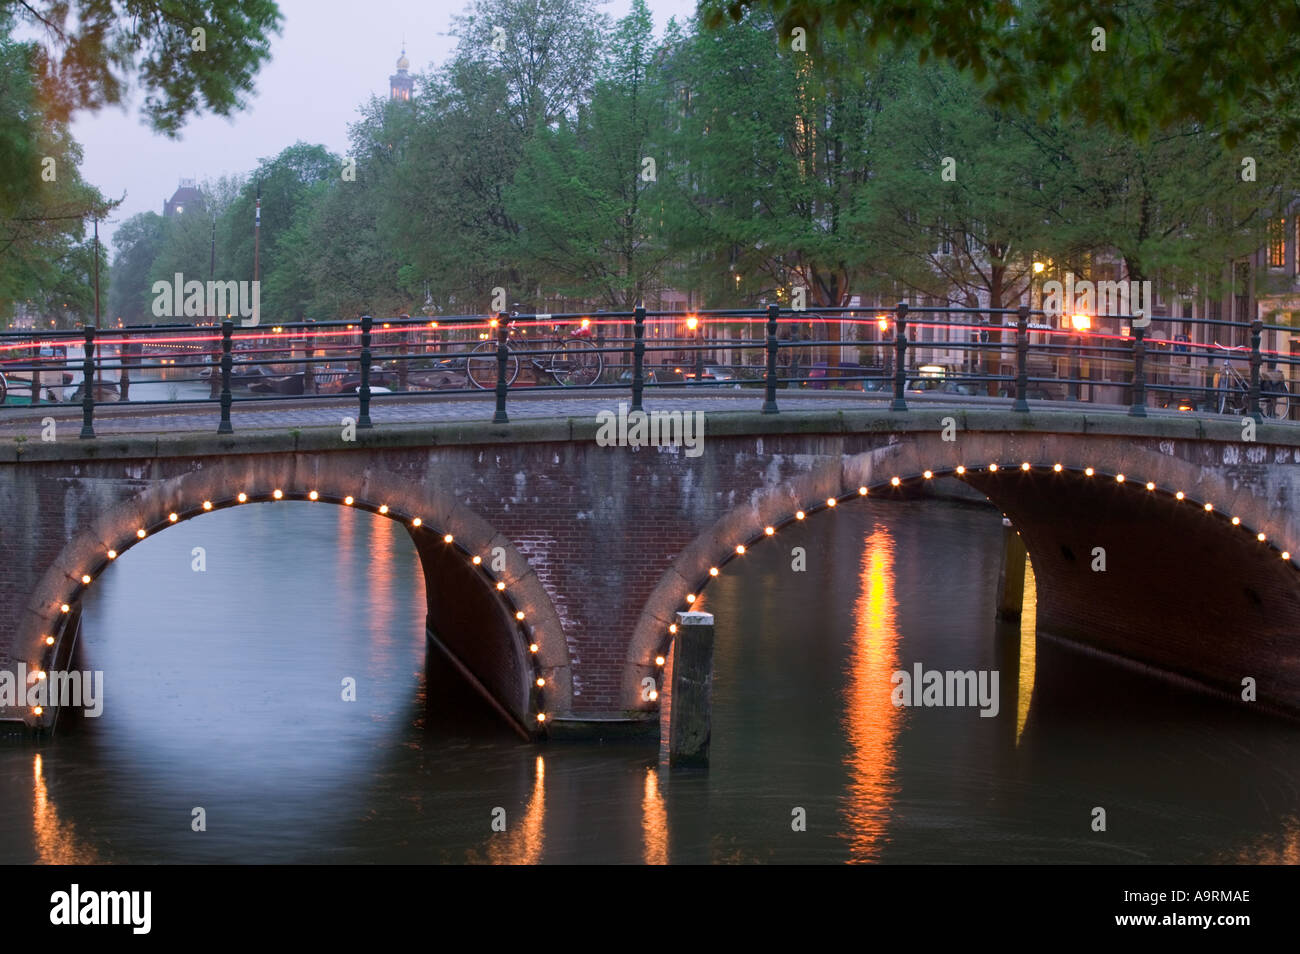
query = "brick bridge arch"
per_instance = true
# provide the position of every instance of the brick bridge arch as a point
(1189, 592)
(498, 595)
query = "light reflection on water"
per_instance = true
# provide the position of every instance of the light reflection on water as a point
(223, 692)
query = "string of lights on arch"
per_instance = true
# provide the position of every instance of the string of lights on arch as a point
(960, 471)
(499, 587)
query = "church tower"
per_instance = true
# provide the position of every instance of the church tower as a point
(400, 83)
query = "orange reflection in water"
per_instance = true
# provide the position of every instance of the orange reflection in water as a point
(521, 843)
(56, 840)
(654, 820)
(1028, 649)
(871, 719)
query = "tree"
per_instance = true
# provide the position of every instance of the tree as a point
(1155, 65)
(583, 194)
(136, 244)
(45, 205)
(186, 55)
(768, 156)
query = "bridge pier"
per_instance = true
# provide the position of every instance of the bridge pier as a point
(691, 720)
(1011, 579)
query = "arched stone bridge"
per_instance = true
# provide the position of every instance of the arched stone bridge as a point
(554, 566)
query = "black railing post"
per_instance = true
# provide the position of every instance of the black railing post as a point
(638, 356)
(1022, 360)
(900, 358)
(363, 391)
(503, 358)
(1256, 334)
(36, 375)
(1138, 407)
(88, 384)
(769, 399)
(224, 427)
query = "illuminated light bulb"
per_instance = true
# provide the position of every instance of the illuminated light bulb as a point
(1151, 485)
(1057, 468)
(383, 508)
(112, 554)
(140, 533)
(672, 628)
(532, 647)
(37, 710)
(540, 682)
(895, 481)
(1179, 495)
(862, 491)
(960, 470)
(713, 571)
(519, 615)
(416, 522)
(277, 494)
(1209, 507)
(740, 548)
(690, 597)
(501, 585)
(1025, 465)
(541, 717)
(348, 500)
(798, 514)
(659, 660)
(1286, 555)
(993, 468)
(207, 505)
(928, 474)
(85, 578)
(1260, 537)
(242, 498)
(447, 538)
(173, 517)
(313, 496)
(769, 530)
(1119, 478)
(64, 607)
(49, 640)
(1089, 471)
(831, 501)
(654, 694)
(477, 560)
(1236, 521)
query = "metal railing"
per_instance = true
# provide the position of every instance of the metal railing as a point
(975, 354)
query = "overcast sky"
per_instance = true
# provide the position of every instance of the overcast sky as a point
(330, 57)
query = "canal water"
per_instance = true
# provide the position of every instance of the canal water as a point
(223, 692)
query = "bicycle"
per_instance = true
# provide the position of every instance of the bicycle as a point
(1234, 392)
(572, 360)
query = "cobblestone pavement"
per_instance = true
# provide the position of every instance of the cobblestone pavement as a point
(387, 409)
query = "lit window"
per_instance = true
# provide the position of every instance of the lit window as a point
(1277, 243)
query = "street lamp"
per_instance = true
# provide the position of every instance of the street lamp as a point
(1080, 324)
(693, 325)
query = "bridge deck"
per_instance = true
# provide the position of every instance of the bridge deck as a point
(392, 409)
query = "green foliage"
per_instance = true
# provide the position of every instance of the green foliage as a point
(95, 48)
(1164, 64)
